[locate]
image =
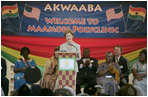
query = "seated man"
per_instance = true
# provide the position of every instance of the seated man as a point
(87, 70)
(109, 75)
(123, 63)
(4, 80)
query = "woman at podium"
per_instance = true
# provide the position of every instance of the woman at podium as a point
(70, 45)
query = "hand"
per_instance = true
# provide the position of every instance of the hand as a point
(111, 66)
(118, 80)
(87, 62)
(83, 65)
(102, 73)
(23, 69)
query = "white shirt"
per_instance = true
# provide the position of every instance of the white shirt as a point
(117, 59)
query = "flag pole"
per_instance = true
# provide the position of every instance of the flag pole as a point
(126, 22)
(22, 19)
(19, 16)
(124, 19)
(19, 22)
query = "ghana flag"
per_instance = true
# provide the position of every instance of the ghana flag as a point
(10, 11)
(137, 13)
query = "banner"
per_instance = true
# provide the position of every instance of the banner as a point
(93, 19)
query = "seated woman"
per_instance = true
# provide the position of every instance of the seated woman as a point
(139, 71)
(50, 75)
(109, 75)
(20, 67)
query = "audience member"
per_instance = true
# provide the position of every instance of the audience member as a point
(123, 63)
(35, 90)
(87, 70)
(139, 71)
(90, 90)
(127, 90)
(63, 92)
(71, 90)
(109, 75)
(46, 92)
(49, 79)
(4, 80)
(24, 91)
(20, 67)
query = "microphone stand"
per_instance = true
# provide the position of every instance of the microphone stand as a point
(74, 47)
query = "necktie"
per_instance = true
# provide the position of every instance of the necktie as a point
(117, 60)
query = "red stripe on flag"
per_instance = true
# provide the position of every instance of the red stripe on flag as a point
(138, 9)
(8, 7)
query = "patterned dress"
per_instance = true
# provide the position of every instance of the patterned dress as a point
(19, 77)
(49, 79)
(141, 68)
(108, 81)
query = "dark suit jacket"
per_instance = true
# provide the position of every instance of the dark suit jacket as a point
(4, 67)
(123, 62)
(86, 70)
(4, 80)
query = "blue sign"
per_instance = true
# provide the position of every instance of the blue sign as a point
(94, 19)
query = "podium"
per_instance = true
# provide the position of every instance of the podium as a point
(66, 69)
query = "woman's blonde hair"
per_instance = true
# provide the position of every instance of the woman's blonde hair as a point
(68, 31)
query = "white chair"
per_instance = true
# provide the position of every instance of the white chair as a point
(140, 92)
